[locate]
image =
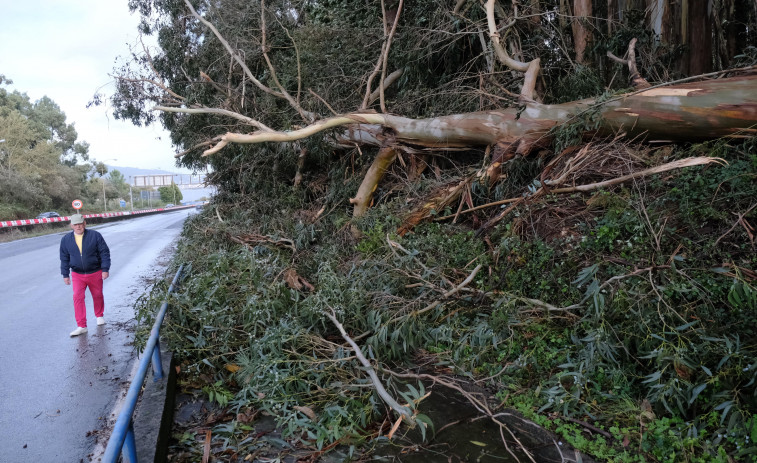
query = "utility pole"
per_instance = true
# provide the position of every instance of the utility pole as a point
(131, 198)
(105, 201)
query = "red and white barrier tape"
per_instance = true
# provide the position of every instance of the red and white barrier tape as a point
(18, 223)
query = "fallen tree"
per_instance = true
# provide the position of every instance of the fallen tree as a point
(712, 107)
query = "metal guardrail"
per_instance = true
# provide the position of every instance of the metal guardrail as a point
(122, 437)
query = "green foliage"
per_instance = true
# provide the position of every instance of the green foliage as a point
(706, 196)
(38, 157)
(170, 194)
(582, 82)
(523, 264)
(218, 393)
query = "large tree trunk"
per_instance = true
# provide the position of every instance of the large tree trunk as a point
(699, 37)
(685, 112)
(581, 32)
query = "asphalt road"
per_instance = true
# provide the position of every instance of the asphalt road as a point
(57, 392)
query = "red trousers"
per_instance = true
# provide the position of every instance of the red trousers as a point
(80, 282)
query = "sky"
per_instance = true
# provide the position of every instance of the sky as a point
(65, 49)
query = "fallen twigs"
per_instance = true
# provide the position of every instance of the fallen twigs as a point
(436, 303)
(748, 228)
(253, 239)
(380, 389)
(447, 294)
(395, 245)
(679, 164)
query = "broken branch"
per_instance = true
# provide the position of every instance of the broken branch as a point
(382, 392)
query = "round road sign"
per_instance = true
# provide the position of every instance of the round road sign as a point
(76, 204)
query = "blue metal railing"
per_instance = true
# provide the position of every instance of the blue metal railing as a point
(122, 437)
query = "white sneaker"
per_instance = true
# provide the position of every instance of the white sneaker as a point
(78, 331)
(100, 320)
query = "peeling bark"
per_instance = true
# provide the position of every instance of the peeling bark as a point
(444, 198)
(685, 112)
(688, 112)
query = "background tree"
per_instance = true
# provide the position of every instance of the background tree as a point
(106, 187)
(170, 194)
(50, 122)
(118, 181)
(38, 168)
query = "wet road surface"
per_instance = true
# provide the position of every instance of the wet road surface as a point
(57, 392)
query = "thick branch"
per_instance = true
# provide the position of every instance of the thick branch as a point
(667, 113)
(386, 56)
(295, 104)
(381, 162)
(637, 81)
(320, 126)
(222, 112)
(502, 54)
(390, 79)
(232, 52)
(380, 64)
(300, 165)
(199, 145)
(531, 69)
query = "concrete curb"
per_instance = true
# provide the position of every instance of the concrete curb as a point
(153, 418)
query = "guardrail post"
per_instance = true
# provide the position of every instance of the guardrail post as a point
(122, 438)
(130, 447)
(157, 363)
